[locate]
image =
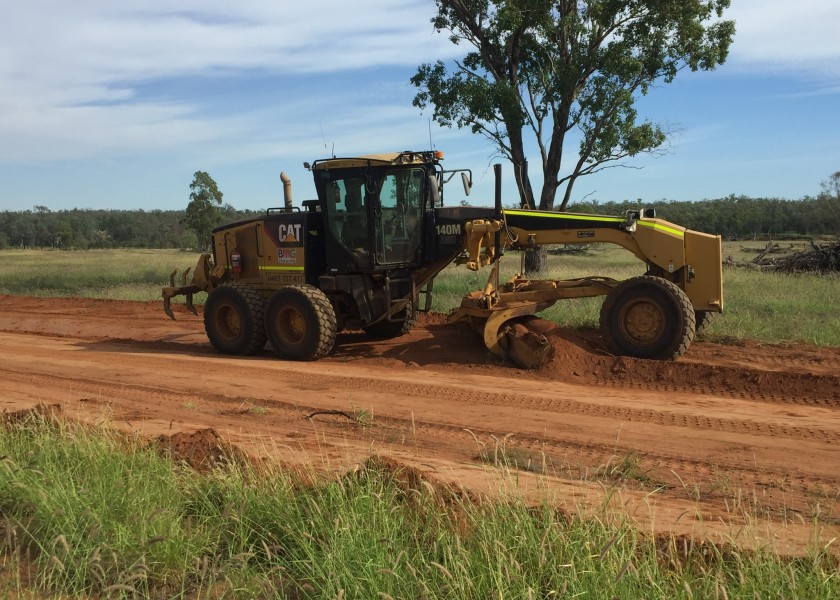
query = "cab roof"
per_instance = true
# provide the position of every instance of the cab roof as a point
(381, 160)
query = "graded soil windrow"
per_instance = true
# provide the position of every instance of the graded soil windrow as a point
(733, 443)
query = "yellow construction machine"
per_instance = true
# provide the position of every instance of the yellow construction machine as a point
(364, 252)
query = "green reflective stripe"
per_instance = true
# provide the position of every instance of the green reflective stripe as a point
(557, 215)
(661, 227)
(270, 268)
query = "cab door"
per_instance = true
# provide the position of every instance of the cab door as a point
(348, 224)
(398, 216)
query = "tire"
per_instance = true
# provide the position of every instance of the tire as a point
(233, 319)
(385, 330)
(300, 323)
(702, 319)
(648, 317)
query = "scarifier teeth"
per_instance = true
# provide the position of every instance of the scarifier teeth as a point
(172, 278)
(167, 308)
(184, 275)
(190, 305)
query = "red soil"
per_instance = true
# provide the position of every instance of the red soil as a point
(732, 443)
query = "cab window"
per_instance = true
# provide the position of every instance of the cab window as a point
(348, 219)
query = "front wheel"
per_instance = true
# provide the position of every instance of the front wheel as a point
(233, 319)
(300, 322)
(647, 317)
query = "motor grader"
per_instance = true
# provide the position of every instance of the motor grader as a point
(364, 252)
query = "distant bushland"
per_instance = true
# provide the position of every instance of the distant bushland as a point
(734, 217)
(739, 217)
(87, 229)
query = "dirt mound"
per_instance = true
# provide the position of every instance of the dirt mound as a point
(40, 411)
(202, 449)
(580, 357)
(409, 479)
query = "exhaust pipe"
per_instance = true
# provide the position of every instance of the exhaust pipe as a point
(497, 172)
(287, 190)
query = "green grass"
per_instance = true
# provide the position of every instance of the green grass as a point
(768, 307)
(99, 515)
(125, 274)
(776, 307)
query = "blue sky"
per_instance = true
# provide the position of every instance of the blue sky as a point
(115, 104)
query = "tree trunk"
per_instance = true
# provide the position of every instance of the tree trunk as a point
(520, 171)
(549, 192)
(536, 261)
(534, 257)
(568, 194)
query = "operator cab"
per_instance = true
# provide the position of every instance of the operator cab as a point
(373, 208)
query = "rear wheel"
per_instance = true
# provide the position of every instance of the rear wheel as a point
(385, 330)
(233, 319)
(300, 322)
(648, 317)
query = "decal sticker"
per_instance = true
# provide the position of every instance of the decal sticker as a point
(452, 229)
(287, 256)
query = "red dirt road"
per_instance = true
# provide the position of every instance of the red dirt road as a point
(734, 443)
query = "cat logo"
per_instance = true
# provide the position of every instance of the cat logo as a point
(290, 233)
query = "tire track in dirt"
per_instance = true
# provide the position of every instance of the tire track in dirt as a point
(590, 449)
(776, 374)
(660, 473)
(434, 433)
(484, 398)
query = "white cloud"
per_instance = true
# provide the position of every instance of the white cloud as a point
(75, 76)
(789, 36)
(71, 71)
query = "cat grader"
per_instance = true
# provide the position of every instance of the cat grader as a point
(364, 254)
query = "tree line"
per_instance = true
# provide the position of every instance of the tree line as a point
(83, 229)
(739, 217)
(734, 217)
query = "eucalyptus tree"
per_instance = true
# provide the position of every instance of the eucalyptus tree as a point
(203, 212)
(545, 74)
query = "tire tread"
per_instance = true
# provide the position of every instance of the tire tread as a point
(325, 317)
(254, 304)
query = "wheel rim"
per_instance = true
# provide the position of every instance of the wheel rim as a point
(642, 321)
(291, 326)
(228, 322)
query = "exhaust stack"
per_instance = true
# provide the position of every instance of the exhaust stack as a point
(287, 190)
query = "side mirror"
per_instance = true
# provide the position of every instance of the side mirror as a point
(435, 191)
(467, 183)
